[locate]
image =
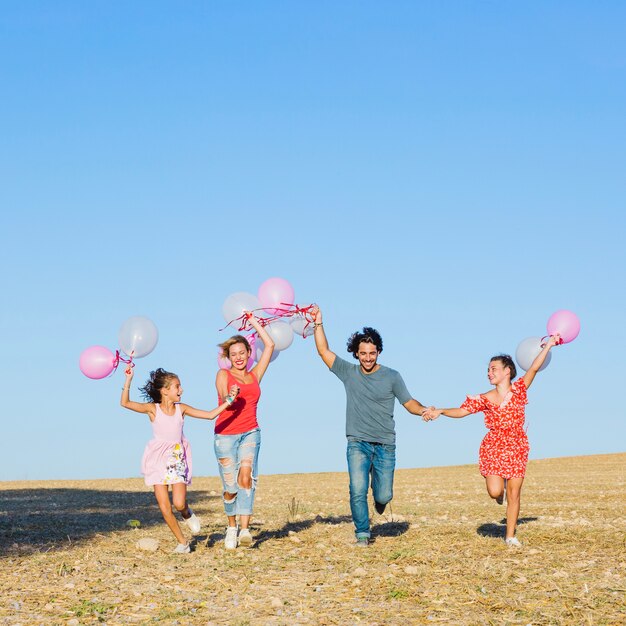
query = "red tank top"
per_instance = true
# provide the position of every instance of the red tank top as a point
(241, 416)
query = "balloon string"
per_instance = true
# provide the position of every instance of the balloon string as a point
(290, 310)
(119, 358)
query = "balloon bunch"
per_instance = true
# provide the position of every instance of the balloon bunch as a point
(563, 323)
(137, 338)
(273, 305)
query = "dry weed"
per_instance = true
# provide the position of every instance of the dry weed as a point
(68, 556)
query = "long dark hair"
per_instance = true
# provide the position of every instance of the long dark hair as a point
(158, 380)
(367, 335)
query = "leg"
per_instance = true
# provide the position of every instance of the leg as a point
(384, 464)
(162, 495)
(247, 456)
(359, 455)
(513, 493)
(179, 499)
(225, 453)
(495, 486)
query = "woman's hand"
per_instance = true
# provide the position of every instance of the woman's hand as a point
(233, 392)
(431, 413)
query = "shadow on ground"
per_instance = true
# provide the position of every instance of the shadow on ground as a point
(49, 519)
(499, 530)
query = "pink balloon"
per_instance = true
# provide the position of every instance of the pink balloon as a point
(565, 323)
(274, 294)
(96, 362)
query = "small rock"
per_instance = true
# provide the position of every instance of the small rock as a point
(69, 586)
(73, 622)
(133, 523)
(148, 543)
(295, 539)
(359, 571)
(411, 569)
(521, 580)
(277, 603)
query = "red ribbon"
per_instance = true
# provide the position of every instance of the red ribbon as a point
(290, 310)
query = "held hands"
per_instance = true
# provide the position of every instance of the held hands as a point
(233, 392)
(431, 413)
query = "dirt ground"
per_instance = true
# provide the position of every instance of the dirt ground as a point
(68, 556)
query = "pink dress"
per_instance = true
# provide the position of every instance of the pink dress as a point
(504, 450)
(167, 456)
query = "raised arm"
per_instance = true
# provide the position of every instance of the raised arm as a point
(211, 415)
(127, 403)
(529, 376)
(321, 343)
(268, 349)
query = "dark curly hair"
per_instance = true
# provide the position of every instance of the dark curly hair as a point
(367, 335)
(159, 379)
(506, 361)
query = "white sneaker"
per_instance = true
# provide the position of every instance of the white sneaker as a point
(194, 523)
(230, 540)
(182, 548)
(245, 538)
(513, 542)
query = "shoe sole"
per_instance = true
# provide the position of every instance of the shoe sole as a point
(246, 542)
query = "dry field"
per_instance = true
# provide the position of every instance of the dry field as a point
(68, 557)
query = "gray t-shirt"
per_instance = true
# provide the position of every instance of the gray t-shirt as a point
(370, 399)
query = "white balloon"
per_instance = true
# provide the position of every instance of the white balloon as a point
(260, 346)
(281, 333)
(527, 352)
(138, 336)
(299, 325)
(237, 303)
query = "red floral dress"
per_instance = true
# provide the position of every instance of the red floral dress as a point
(504, 449)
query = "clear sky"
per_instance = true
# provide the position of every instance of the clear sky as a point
(450, 173)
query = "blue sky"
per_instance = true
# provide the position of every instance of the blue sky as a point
(450, 173)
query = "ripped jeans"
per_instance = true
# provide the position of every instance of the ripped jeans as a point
(232, 453)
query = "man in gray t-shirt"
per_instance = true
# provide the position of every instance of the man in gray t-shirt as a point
(371, 392)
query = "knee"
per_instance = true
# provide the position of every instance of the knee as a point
(180, 504)
(494, 492)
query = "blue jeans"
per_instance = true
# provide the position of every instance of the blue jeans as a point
(233, 452)
(365, 459)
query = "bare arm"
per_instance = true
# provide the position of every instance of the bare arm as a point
(321, 343)
(268, 343)
(211, 415)
(221, 384)
(415, 407)
(529, 376)
(127, 403)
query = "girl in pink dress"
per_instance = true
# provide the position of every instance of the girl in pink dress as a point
(504, 450)
(167, 456)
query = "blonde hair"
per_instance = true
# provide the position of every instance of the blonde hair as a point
(231, 342)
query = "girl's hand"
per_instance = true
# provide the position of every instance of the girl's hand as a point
(129, 371)
(553, 340)
(431, 413)
(233, 392)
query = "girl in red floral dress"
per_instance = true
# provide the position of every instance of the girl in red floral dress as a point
(504, 450)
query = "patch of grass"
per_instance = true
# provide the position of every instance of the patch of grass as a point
(86, 608)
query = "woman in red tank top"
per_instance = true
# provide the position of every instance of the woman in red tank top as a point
(237, 432)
